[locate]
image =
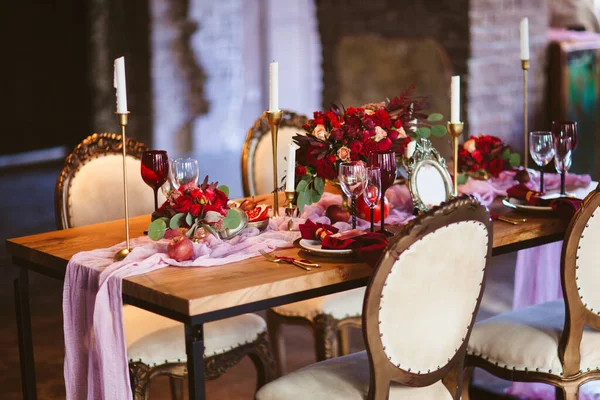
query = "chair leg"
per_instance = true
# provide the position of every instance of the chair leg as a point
(140, 382)
(277, 342)
(570, 392)
(263, 362)
(344, 340)
(176, 384)
(325, 333)
(467, 376)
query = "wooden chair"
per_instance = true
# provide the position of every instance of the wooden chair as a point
(328, 317)
(89, 190)
(556, 342)
(419, 308)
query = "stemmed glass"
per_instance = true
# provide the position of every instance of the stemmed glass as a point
(541, 147)
(387, 166)
(185, 172)
(563, 148)
(353, 178)
(568, 128)
(155, 170)
(372, 193)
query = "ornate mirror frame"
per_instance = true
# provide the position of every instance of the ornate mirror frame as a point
(426, 155)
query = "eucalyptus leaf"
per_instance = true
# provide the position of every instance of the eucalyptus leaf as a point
(164, 219)
(157, 229)
(232, 220)
(319, 185)
(224, 189)
(315, 196)
(462, 179)
(435, 117)
(423, 132)
(177, 220)
(506, 154)
(303, 199)
(189, 219)
(515, 160)
(301, 186)
(438, 130)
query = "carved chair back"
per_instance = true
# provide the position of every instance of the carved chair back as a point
(89, 188)
(257, 153)
(580, 276)
(423, 296)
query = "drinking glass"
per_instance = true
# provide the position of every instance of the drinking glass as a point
(563, 148)
(353, 178)
(541, 148)
(185, 172)
(387, 165)
(568, 128)
(155, 170)
(373, 191)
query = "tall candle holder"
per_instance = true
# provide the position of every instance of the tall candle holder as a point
(525, 66)
(121, 254)
(274, 119)
(290, 208)
(456, 130)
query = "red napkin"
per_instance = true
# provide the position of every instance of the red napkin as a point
(369, 246)
(565, 207)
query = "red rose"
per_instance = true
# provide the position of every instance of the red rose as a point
(336, 134)
(393, 134)
(495, 140)
(398, 124)
(484, 144)
(382, 119)
(477, 156)
(351, 111)
(496, 167)
(325, 169)
(300, 170)
(195, 209)
(331, 158)
(183, 204)
(384, 144)
(356, 147)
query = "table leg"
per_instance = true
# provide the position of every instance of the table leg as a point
(194, 348)
(24, 332)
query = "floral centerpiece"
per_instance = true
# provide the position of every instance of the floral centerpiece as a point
(191, 207)
(484, 156)
(340, 135)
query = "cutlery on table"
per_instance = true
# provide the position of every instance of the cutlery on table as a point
(513, 221)
(289, 260)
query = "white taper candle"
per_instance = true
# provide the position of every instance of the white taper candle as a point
(291, 168)
(120, 85)
(455, 99)
(274, 86)
(525, 39)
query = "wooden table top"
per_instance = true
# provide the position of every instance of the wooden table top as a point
(193, 291)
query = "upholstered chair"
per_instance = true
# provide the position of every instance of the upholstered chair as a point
(418, 312)
(556, 342)
(89, 190)
(328, 317)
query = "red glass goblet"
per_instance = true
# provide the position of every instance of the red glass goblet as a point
(155, 170)
(386, 162)
(568, 128)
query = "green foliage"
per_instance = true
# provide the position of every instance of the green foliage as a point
(232, 220)
(319, 184)
(177, 221)
(423, 132)
(435, 117)
(157, 229)
(438, 130)
(189, 219)
(462, 179)
(224, 189)
(515, 160)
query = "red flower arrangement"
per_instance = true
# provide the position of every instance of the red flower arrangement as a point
(191, 207)
(486, 155)
(339, 135)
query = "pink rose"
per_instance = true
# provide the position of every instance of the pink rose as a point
(344, 153)
(320, 132)
(380, 133)
(470, 146)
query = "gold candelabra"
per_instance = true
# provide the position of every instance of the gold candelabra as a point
(525, 66)
(121, 254)
(456, 130)
(290, 208)
(274, 118)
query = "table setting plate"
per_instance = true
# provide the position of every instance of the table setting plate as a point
(518, 204)
(314, 247)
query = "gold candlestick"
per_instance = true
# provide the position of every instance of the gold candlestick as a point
(525, 66)
(121, 254)
(290, 208)
(456, 130)
(274, 118)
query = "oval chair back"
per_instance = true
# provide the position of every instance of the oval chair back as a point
(257, 153)
(422, 299)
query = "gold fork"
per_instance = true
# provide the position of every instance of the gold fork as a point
(300, 264)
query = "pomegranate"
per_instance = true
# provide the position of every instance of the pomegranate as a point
(180, 248)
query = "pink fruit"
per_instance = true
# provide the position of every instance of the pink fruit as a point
(337, 214)
(180, 248)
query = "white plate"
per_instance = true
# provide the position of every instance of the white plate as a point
(518, 204)
(314, 246)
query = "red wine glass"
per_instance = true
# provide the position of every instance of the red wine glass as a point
(386, 162)
(568, 128)
(155, 170)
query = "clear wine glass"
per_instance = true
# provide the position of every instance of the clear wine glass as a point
(568, 128)
(155, 170)
(563, 148)
(387, 165)
(541, 148)
(185, 172)
(372, 193)
(353, 179)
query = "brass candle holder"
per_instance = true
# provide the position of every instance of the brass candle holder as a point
(456, 130)
(525, 66)
(274, 119)
(121, 254)
(290, 208)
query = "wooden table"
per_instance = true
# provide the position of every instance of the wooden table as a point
(195, 296)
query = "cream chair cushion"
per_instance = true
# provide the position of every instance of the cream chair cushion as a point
(588, 273)
(96, 191)
(338, 305)
(262, 165)
(343, 378)
(430, 295)
(527, 339)
(157, 340)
